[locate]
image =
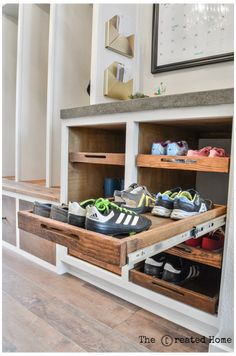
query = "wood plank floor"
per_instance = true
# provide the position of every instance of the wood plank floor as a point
(44, 312)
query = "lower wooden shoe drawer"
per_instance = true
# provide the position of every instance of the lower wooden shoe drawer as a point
(201, 292)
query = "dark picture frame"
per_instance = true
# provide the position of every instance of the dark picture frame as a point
(155, 68)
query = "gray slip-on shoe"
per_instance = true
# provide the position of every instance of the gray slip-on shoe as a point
(59, 213)
(42, 209)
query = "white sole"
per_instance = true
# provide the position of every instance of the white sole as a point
(178, 214)
(161, 211)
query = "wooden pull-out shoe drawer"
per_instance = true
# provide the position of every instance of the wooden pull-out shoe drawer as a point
(201, 292)
(110, 251)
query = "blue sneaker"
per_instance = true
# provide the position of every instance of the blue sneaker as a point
(159, 148)
(165, 202)
(177, 148)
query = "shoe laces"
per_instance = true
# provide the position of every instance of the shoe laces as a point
(104, 205)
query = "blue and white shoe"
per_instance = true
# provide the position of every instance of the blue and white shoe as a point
(165, 202)
(179, 148)
(159, 148)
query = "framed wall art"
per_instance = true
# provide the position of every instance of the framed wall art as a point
(188, 35)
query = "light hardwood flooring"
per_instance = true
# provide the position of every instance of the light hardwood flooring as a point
(45, 312)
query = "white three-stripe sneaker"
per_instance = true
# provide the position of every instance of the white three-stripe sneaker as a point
(110, 219)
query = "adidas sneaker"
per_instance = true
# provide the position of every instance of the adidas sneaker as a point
(189, 203)
(138, 200)
(108, 218)
(154, 266)
(179, 271)
(77, 212)
(165, 202)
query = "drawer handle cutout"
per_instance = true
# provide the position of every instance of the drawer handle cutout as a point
(185, 249)
(95, 156)
(61, 232)
(179, 160)
(168, 289)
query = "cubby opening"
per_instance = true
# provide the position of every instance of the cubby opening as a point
(209, 175)
(9, 64)
(95, 153)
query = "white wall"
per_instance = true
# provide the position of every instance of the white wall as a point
(9, 53)
(32, 91)
(69, 71)
(207, 77)
(103, 57)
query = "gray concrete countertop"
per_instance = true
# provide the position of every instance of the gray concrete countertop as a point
(203, 98)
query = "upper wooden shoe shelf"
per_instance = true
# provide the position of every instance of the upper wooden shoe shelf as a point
(188, 163)
(117, 159)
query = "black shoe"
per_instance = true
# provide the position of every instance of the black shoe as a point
(165, 202)
(108, 218)
(154, 265)
(42, 209)
(179, 271)
(189, 203)
(77, 212)
(59, 213)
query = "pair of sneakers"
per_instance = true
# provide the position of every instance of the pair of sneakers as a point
(100, 215)
(171, 269)
(208, 152)
(136, 198)
(179, 148)
(179, 204)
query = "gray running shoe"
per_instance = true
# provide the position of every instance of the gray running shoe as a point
(118, 193)
(59, 213)
(138, 200)
(42, 209)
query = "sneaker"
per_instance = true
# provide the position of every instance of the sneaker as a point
(154, 266)
(108, 218)
(59, 213)
(77, 212)
(213, 241)
(217, 152)
(118, 193)
(179, 271)
(179, 148)
(42, 209)
(159, 148)
(203, 152)
(165, 202)
(189, 203)
(138, 200)
(194, 242)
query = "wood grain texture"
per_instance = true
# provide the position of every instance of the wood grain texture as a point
(98, 246)
(9, 220)
(82, 183)
(75, 315)
(202, 164)
(210, 258)
(73, 323)
(108, 266)
(29, 242)
(201, 293)
(117, 159)
(168, 228)
(31, 189)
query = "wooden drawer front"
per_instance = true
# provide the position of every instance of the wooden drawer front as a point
(201, 294)
(9, 219)
(46, 250)
(92, 244)
(98, 158)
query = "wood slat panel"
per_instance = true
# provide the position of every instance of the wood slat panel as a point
(99, 158)
(209, 258)
(203, 164)
(32, 190)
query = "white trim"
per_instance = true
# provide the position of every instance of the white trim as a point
(50, 92)
(17, 230)
(30, 257)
